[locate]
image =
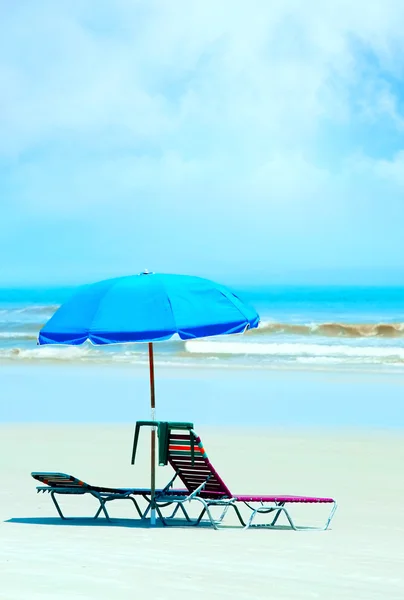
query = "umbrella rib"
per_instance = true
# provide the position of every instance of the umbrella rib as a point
(172, 313)
(95, 315)
(236, 307)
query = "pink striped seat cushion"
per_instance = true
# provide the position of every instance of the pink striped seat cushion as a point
(283, 498)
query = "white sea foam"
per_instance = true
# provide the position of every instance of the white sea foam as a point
(27, 314)
(294, 350)
(46, 353)
(208, 352)
(18, 335)
(85, 353)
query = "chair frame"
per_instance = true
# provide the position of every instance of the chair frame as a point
(102, 497)
(210, 492)
(276, 507)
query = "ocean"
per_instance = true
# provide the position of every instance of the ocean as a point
(319, 327)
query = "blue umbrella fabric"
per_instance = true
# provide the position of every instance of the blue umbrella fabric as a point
(148, 308)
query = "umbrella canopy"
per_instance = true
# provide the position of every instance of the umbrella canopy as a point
(148, 308)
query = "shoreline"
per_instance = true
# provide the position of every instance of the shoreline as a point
(388, 369)
(212, 396)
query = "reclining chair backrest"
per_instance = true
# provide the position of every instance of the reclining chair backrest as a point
(189, 460)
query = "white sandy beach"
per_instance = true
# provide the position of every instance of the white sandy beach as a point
(361, 557)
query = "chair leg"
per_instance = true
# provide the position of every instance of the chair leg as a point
(199, 519)
(180, 506)
(281, 509)
(139, 512)
(269, 525)
(98, 512)
(160, 514)
(186, 515)
(237, 511)
(55, 502)
(289, 518)
(218, 522)
(102, 507)
(206, 509)
(172, 516)
(276, 518)
(224, 513)
(146, 512)
(330, 516)
(176, 509)
(323, 528)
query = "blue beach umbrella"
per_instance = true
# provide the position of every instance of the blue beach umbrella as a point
(148, 308)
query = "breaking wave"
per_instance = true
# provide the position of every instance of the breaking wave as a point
(85, 353)
(18, 335)
(52, 353)
(298, 351)
(351, 330)
(197, 352)
(32, 309)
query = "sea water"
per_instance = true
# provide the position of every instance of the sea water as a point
(300, 326)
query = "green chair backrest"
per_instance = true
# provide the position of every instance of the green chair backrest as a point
(163, 431)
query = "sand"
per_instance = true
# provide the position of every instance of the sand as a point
(361, 557)
(208, 395)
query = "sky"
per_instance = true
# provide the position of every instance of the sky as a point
(256, 142)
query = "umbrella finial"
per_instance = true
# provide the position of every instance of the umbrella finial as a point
(146, 272)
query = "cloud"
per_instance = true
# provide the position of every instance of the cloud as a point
(159, 72)
(223, 116)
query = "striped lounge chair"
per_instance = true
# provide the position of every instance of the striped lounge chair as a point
(185, 453)
(64, 484)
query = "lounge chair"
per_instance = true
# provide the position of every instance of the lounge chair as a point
(185, 453)
(65, 484)
(62, 483)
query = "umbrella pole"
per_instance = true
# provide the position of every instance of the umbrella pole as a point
(153, 437)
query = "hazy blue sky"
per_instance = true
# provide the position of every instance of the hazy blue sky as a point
(257, 141)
